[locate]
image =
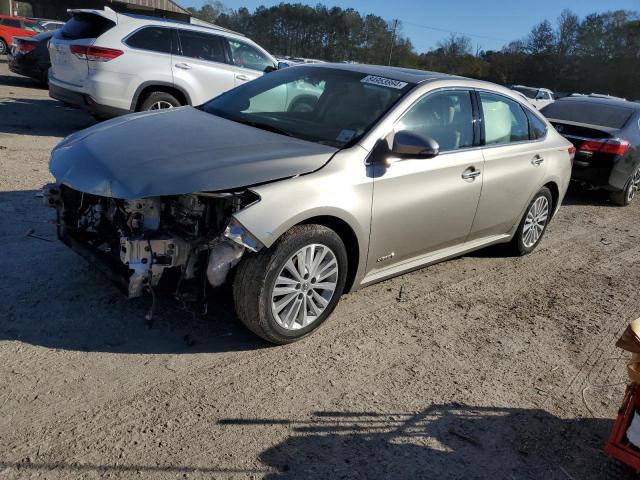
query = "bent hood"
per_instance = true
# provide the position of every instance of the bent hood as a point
(178, 151)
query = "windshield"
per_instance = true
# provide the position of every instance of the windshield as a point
(324, 105)
(34, 27)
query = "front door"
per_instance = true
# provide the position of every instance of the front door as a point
(425, 205)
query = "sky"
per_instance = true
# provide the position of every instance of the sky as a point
(490, 27)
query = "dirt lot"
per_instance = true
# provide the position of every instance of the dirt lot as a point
(481, 367)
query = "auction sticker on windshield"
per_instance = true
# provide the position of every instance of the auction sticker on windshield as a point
(384, 82)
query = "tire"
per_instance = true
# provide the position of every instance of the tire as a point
(4, 49)
(626, 196)
(257, 274)
(523, 241)
(162, 99)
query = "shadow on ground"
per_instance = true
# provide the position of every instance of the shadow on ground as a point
(451, 441)
(41, 117)
(442, 442)
(56, 299)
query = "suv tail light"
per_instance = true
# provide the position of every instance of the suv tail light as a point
(613, 146)
(95, 54)
(572, 153)
(24, 48)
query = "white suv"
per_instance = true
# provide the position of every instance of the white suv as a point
(111, 63)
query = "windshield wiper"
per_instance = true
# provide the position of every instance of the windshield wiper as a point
(264, 126)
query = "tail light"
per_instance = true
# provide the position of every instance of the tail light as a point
(95, 54)
(572, 153)
(613, 146)
(25, 48)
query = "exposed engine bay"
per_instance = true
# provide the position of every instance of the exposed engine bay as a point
(169, 241)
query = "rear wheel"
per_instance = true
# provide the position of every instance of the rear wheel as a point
(3, 47)
(285, 292)
(534, 223)
(626, 196)
(159, 101)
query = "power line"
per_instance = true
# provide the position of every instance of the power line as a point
(427, 27)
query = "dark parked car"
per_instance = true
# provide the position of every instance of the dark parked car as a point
(30, 56)
(606, 134)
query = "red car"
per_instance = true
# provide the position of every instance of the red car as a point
(16, 27)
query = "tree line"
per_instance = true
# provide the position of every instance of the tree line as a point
(598, 53)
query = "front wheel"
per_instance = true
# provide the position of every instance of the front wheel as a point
(626, 196)
(285, 292)
(534, 223)
(4, 49)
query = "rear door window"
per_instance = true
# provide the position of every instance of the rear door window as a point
(446, 117)
(86, 25)
(154, 39)
(203, 46)
(504, 120)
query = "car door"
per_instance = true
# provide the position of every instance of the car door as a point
(202, 66)
(424, 205)
(12, 28)
(514, 165)
(249, 62)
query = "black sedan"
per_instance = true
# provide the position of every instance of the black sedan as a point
(606, 133)
(30, 56)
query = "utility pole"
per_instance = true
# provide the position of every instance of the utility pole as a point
(393, 40)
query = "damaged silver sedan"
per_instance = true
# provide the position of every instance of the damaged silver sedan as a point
(305, 184)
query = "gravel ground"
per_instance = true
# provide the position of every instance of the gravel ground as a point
(481, 367)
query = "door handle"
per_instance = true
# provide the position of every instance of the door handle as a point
(242, 77)
(183, 66)
(537, 160)
(471, 173)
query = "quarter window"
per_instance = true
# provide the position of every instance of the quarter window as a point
(7, 22)
(246, 56)
(154, 39)
(203, 46)
(446, 117)
(504, 120)
(538, 127)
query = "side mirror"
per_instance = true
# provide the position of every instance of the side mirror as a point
(410, 145)
(270, 69)
(282, 65)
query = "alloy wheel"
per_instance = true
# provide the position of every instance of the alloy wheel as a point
(304, 287)
(634, 186)
(161, 105)
(536, 220)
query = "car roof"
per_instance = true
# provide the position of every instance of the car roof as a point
(172, 22)
(24, 19)
(408, 75)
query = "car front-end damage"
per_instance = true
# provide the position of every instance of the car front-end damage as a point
(169, 241)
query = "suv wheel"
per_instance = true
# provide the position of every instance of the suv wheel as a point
(159, 101)
(3, 47)
(534, 223)
(285, 292)
(626, 196)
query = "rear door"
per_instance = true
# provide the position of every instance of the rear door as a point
(202, 65)
(68, 65)
(514, 165)
(249, 62)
